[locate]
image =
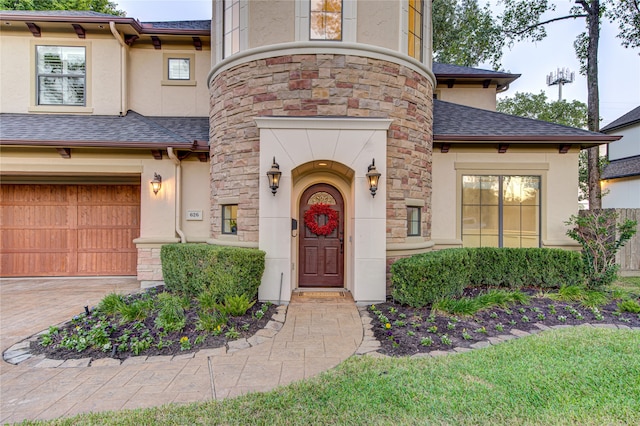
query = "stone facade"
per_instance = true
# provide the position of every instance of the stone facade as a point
(149, 264)
(320, 85)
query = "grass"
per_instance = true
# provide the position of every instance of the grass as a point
(471, 305)
(630, 285)
(583, 375)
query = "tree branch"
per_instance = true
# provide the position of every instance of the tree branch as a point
(584, 5)
(530, 27)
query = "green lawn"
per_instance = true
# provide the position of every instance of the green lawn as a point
(628, 284)
(582, 376)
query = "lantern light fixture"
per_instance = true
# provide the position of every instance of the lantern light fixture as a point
(373, 176)
(274, 174)
(156, 183)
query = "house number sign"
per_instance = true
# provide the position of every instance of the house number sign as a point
(194, 214)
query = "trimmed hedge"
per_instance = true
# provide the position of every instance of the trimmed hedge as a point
(225, 271)
(425, 278)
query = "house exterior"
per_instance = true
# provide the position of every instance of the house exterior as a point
(323, 96)
(621, 176)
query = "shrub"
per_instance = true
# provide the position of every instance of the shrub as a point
(111, 304)
(226, 271)
(600, 238)
(425, 278)
(629, 306)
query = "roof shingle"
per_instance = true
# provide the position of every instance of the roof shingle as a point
(629, 118)
(461, 120)
(131, 128)
(624, 167)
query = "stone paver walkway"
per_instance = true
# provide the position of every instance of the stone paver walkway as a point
(318, 334)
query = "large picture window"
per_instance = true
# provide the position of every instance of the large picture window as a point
(500, 211)
(61, 75)
(416, 13)
(231, 25)
(326, 20)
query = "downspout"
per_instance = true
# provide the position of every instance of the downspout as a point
(123, 68)
(176, 160)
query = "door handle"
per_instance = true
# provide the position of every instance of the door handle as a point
(341, 245)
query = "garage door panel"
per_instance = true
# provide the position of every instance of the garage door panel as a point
(58, 230)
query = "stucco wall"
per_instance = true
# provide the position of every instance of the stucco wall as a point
(377, 20)
(271, 22)
(152, 95)
(470, 95)
(319, 85)
(18, 82)
(559, 188)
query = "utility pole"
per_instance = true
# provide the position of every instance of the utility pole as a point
(562, 76)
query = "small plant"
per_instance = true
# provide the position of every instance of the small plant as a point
(623, 319)
(508, 311)
(138, 346)
(171, 314)
(481, 330)
(200, 339)
(432, 318)
(236, 306)
(446, 340)
(451, 326)
(245, 327)
(426, 341)
(411, 333)
(399, 323)
(512, 322)
(629, 306)
(493, 315)
(383, 319)
(522, 310)
(185, 344)
(387, 326)
(597, 314)
(392, 310)
(525, 318)
(499, 327)
(433, 329)
(466, 335)
(562, 318)
(552, 309)
(259, 314)
(232, 334)
(402, 316)
(540, 317)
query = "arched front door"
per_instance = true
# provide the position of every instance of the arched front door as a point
(321, 256)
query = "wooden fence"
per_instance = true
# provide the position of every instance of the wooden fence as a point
(629, 256)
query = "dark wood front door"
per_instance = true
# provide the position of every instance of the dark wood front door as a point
(321, 256)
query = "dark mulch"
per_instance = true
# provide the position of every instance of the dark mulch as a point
(246, 325)
(405, 340)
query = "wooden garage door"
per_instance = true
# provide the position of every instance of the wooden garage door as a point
(65, 230)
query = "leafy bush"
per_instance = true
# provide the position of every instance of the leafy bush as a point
(425, 278)
(629, 306)
(600, 238)
(226, 271)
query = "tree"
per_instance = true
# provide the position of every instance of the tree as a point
(101, 6)
(465, 34)
(572, 114)
(522, 21)
(537, 106)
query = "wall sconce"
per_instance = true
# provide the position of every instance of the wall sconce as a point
(373, 176)
(156, 183)
(274, 174)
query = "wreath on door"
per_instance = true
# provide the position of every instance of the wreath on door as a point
(320, 209)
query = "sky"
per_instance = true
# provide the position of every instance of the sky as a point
(619, 68)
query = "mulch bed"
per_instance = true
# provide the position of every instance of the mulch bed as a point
(246, 325)
(405, 340)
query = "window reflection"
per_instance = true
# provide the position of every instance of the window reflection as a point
(326, 20)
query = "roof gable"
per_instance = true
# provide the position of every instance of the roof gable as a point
(632, 117)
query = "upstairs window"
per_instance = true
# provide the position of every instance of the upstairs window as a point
(231, 27)
(416, 13)
(179, 68)
(326, 20)
(61, 75)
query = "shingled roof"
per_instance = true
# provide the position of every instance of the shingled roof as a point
(130, 131)
(57, 13)
(632, 117)
(449, 70)
(204, 25)
(454, 122)
(624, 167)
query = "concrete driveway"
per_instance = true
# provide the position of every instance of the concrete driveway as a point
(30, 305)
